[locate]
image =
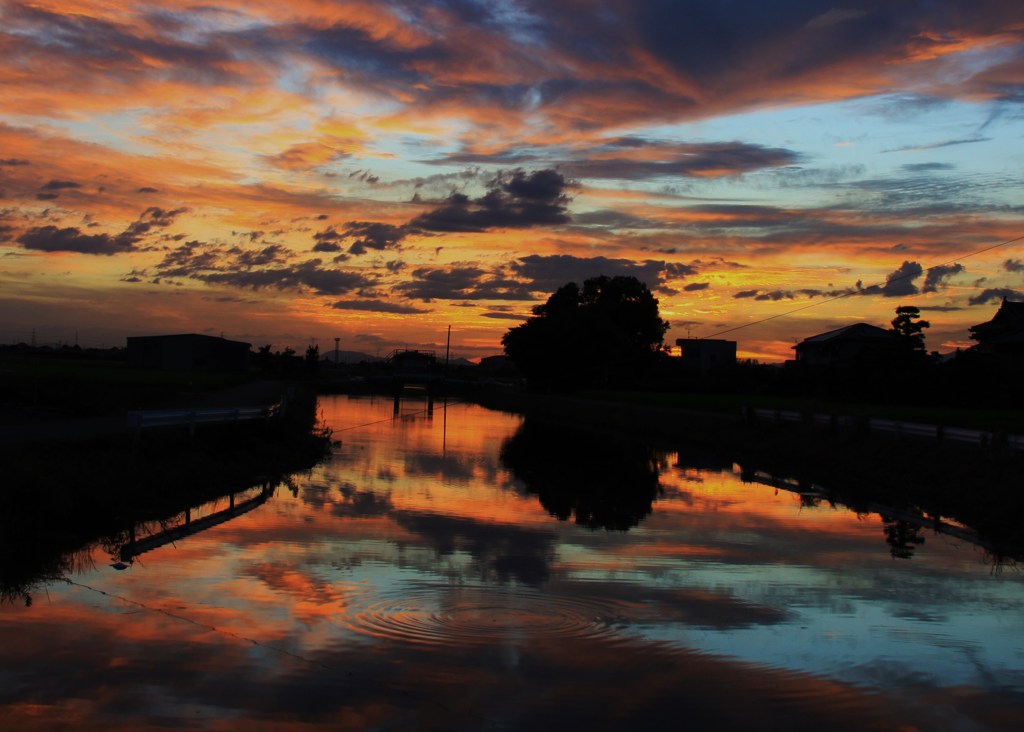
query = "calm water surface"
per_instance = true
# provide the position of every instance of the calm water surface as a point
(467, 569)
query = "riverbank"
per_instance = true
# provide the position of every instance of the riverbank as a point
(61, 494)
(977, 486)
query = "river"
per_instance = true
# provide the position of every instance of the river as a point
(458, 568)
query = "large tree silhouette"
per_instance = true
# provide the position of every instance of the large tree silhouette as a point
(909, 328)
(606, 333)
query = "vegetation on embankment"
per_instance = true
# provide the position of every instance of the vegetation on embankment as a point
(977, 486)
(992, 419)
(38, 386)
(59, 497)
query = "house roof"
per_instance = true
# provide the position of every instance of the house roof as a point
(857, 331)
(1009, 317)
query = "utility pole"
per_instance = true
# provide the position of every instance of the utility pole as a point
(447, 350)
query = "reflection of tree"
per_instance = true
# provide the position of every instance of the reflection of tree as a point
(902, 537)
(21, 574)
(604, 482)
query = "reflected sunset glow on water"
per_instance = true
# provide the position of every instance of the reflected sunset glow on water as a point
(419, 578)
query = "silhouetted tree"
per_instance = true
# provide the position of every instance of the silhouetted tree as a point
(287, 359)
(605, 333)
(264, 357)
(313, 359)
(909, 328)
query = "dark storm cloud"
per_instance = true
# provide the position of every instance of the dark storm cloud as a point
(309, 274)
(328, 240)
(462, 283)
(712, 38)
(937, 276)
(995, 294)
(608, 218)
(546, 273)
(91, 44)
(503, 316)
(377, 306)
(921, 195)
(190, 258)
(776, 295)
(71, 239)
(514, 200)
(1013, 265)
(696, 286)
(255, 269)
(270, 254)
(620, 160)
(326, 246)
(361, 59)
(151, 218)
(373, 235)
(617, 63)
(361, 236)
(59, 185)
(901, 282)
(927, 167)
(630, 158)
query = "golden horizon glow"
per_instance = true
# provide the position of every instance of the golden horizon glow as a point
(329, 164)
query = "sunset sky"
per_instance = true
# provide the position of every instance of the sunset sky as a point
(281, 172)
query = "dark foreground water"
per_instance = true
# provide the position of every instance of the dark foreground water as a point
(467, 570)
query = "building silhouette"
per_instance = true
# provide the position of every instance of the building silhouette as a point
(848, 346)
(187, 352)
(1003, 335)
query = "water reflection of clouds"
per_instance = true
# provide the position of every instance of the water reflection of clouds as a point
(500, 552)
(217, 681)
(318, 610)
(450, 467)
(357, 503)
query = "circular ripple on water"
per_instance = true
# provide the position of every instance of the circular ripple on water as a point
(436, 615)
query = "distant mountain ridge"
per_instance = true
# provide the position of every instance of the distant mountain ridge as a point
(348, 357)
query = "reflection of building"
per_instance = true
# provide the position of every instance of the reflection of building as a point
(187, 352)
(1004, 334)
(853, 344)
(706, 354)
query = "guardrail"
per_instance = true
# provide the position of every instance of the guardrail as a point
(139, 421)
(891, 426)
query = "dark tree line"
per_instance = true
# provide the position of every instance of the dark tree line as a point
(606, 333)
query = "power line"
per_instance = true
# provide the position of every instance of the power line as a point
(864, 291)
